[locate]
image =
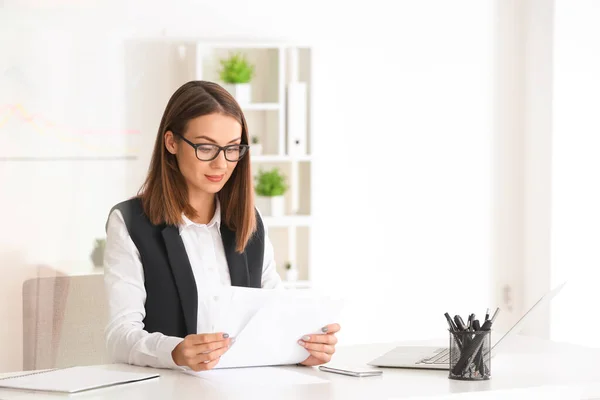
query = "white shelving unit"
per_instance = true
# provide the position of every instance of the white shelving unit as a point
(279, 159)
(276, 66)
(288, 221)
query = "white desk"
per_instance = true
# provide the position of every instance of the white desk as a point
(526, 368)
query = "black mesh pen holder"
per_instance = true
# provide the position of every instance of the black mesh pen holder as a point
(470, 355)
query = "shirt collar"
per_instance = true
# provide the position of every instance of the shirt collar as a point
(215, 221)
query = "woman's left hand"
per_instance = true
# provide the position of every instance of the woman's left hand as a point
(320, 346)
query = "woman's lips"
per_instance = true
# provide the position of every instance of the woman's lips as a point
(214, 178)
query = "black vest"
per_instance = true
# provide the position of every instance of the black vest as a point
(171, 293)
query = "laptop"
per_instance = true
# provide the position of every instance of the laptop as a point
(424, 357)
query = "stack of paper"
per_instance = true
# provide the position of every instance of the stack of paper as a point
(266, 324)
(74, 379)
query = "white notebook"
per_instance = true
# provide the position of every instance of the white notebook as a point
(73, 379)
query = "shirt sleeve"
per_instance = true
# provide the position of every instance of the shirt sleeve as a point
(270, 277)
(126, 339)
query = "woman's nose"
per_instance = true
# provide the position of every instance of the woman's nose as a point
(219, 162)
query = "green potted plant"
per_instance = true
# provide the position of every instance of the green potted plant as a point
(255, 146)
(291, 273)
(237, 72)
(97, 255)
(270, 187)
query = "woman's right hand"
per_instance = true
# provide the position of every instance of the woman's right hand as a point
(201, 352)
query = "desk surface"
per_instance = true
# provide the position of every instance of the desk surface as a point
(525, 368)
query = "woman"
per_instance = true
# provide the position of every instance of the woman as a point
(193, 227)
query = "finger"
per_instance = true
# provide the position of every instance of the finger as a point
(204, 366)
(207, 357)
(212, 346)
(325, 339)
(192, 350)
(324, 357)
(208, 337)
(323, 348)
(331, 328)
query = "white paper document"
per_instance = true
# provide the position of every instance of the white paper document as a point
(266, 324)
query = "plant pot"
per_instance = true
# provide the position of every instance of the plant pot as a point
(97, 257)
(291, 275)
(256, 149)
(271, 206)
(241, 91)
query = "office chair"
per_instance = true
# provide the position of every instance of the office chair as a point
(63, 321)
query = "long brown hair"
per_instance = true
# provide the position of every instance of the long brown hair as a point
(164, 193)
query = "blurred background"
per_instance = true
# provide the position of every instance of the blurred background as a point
(432, 156)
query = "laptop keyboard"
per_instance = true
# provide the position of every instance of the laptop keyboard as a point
(439, 358)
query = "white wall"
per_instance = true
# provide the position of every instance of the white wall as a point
(522, 160)
(402, 143)
(403, 131)
(52, 211)
(576, 194)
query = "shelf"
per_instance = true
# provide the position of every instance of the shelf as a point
(268, 115)
(276, 158)
(260, 106)
(297, 285)
(287, 220)
(244, 45)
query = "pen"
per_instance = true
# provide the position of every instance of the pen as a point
(495, 314)
(460, 323)
(453, 329)
(479, 357)
(487, 314)
(464, 339)
(450, 322)
(487, 325)
(470, 322)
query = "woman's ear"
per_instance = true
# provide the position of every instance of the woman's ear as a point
(170, 142)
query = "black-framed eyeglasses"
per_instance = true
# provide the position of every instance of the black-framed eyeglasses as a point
(209, 151)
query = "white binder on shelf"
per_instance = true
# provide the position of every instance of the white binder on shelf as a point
(297, 108)
(297, 115)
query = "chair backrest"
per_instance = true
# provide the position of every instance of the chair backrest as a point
(63, 321)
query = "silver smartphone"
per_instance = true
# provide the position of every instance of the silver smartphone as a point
(352, 371)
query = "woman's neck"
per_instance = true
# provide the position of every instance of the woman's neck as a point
(204, 205)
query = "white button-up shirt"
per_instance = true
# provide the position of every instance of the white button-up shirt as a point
(127, 341)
